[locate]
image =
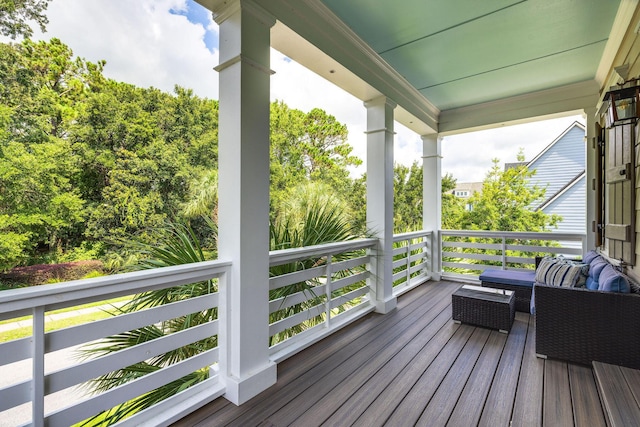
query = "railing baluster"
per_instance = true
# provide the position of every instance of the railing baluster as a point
(408, 263)
(327, 288)
(37, 379)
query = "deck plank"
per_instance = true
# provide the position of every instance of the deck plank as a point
(412, 405)
(349, 393)
(527, 409)
(587, 410)
(620, 404)
(334, 368)
(468, 408)
(332, 390)
(414, 365)
(556, 407)
(499, 404)
(379, 397)
(443, 402)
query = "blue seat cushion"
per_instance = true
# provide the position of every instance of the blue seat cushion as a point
(509, 277)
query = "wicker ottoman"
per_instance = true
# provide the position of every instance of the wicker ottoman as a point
(491, 308)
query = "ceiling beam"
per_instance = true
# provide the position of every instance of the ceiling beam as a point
(550, 103)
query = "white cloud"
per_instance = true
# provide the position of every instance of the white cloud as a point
(468, 157)
(141, 41)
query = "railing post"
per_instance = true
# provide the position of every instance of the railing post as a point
(37, 380)
(436, 252)
(504, 253)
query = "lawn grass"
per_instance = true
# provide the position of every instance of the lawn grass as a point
(74, 308)
(53, 325)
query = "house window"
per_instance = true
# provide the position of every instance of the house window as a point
(462, 193)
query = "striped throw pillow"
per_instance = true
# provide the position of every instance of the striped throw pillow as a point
(560, 272)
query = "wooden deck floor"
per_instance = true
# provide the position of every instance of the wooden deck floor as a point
(415, 366)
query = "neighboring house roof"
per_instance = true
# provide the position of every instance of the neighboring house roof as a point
(470, 187)
(562, 191)
(548, 147)
(560, 164)
(514, 165)
(560, 168)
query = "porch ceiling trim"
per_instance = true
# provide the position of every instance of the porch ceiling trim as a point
(313, 21)
(545, 104)
(621, 24)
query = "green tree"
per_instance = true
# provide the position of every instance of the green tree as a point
(452, 207)
(308, 147)
(40, 206)
(142, 151)
(505, 203)
(407, 199)
(16, 14)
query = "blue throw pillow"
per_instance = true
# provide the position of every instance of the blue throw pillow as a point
(590, 256)
(596, 267)
(592, 284)
(612, 281)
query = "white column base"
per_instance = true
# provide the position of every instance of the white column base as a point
(384, 307)
(240, 391)
(436, 276)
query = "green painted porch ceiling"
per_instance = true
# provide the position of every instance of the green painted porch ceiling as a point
(463, 52)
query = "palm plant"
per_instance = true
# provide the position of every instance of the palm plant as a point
(315, 218)
(176, 244)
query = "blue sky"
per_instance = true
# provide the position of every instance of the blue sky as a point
(197, 14)
(162, 43)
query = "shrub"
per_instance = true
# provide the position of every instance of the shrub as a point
(50, 273)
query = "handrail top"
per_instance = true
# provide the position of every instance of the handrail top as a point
(283, 256)
(110, 286)
(547, 235)
(411, 235)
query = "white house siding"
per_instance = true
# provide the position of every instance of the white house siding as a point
(561, 162)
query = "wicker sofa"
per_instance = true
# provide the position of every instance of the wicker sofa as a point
(581, 325)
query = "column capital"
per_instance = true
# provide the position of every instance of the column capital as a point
(589, 113)
(431, 137)
(224, 9)
(381, 100)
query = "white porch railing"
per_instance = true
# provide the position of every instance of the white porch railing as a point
(40, 349)
(332, 289)
(316, 290)
(306, 304)
(465, 254)
(411, 260)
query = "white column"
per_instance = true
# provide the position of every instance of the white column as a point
(591, 150)
(432, 197)
(380, 198)
(243, 235)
